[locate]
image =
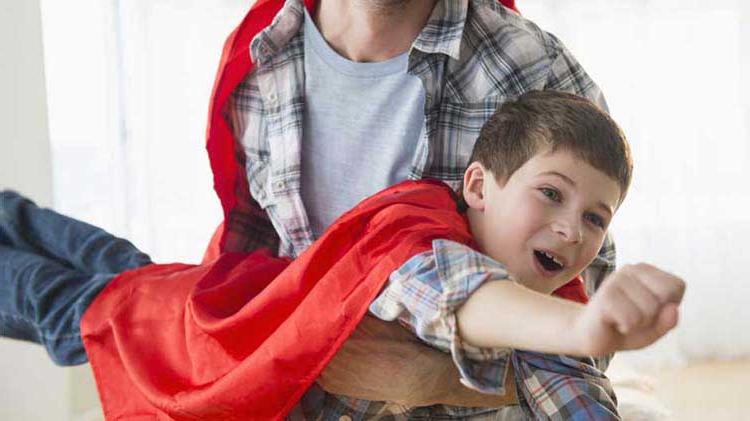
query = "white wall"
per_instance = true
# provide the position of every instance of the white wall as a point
(31, 387)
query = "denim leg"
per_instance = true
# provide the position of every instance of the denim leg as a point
(43, 301)
(25, 226)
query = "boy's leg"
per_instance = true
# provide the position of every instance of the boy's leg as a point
(43, 301)
(44, 232)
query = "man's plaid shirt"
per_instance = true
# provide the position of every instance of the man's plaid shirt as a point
(471, 56)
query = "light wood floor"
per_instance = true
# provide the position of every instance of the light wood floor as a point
(706, 391)
(709, 391)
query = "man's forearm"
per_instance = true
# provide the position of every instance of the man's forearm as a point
(504, 314)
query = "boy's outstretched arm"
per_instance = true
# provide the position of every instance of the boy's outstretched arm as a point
(634, 307)
(425, 294)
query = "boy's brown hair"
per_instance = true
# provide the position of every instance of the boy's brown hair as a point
(541, 121)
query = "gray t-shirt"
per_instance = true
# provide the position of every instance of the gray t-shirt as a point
(361, 126)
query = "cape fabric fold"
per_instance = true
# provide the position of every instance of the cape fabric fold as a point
(245, 336)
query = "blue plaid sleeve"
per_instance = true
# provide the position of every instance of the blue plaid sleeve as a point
(558, 387)
(424, 295)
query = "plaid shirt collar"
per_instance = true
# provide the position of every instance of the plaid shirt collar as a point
(444, 30)
(284, 26)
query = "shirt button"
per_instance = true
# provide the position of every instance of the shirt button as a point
(272, 97)
(280, 185)
(345, 418)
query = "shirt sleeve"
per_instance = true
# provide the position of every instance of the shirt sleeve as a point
(594, 275)
(567, 75)
(558, 387)
(424, 294)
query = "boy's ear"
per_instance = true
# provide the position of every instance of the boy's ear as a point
(473, 188)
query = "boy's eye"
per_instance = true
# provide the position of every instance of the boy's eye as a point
(551, 194)
(595, 219)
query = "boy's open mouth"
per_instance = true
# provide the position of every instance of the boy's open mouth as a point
(548, 261)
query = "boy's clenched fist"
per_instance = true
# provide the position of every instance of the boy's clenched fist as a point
(633, 308)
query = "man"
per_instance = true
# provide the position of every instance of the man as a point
(379, 91)
(320, 105)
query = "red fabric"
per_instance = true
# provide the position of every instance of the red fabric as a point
(221, 341)
(243, 337)
(574, 290)
(235, 64)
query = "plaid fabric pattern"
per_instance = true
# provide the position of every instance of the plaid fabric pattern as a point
(557, 387)
(471, 56)
(424, 295)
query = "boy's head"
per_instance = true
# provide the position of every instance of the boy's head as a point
(547, 173)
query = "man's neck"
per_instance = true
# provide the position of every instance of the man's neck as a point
(372, 30)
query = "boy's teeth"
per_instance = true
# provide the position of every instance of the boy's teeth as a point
(552, 258)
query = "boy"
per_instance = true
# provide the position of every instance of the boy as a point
(546, 176)
(561, 191)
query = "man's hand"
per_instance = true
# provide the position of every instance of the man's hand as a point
(634, 307)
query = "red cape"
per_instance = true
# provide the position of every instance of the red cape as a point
(245, 336)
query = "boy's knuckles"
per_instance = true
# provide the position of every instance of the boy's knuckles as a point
(679, 287)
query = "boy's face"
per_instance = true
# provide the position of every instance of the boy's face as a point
(547, 223)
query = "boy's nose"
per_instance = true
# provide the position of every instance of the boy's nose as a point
(570, 231)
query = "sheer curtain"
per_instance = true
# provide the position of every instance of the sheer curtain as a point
(129, 84)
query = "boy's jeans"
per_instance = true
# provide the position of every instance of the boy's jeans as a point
(51, 269)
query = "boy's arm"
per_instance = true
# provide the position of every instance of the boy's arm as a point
(635, 307)
(427, 292)
(424, 295)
